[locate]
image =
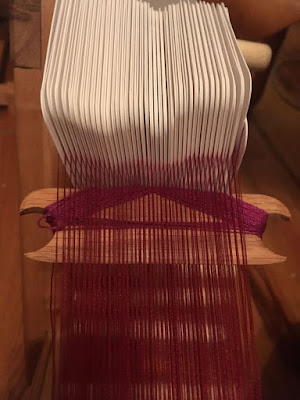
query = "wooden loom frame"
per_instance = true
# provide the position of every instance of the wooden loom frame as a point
(257, 56)
(257, 252)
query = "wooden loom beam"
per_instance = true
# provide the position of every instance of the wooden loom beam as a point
(257, 252)
(49, 159)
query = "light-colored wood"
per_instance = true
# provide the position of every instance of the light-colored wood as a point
(33, 273)
(38, 200)
(257, 55)
(281, 292)
(257, 252)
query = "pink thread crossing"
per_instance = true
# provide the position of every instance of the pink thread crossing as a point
(83, 207)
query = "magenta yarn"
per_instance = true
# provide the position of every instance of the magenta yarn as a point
(230, 212)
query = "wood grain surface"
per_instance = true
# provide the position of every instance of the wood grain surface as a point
(36, 202)
(12, 361)
(275, 289)
(37, 160)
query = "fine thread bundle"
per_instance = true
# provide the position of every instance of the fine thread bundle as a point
(159, 330)
(147, 110)
(58, 215)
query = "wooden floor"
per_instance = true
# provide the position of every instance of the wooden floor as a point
(271, 166)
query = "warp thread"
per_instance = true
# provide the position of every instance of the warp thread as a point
(82, 207)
